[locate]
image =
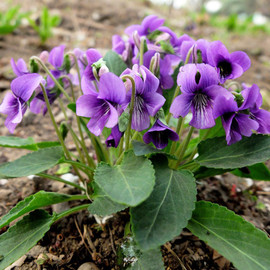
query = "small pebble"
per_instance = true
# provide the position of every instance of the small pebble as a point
(88, 266)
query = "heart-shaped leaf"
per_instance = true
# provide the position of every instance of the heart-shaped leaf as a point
(167, 211)
(129, 183)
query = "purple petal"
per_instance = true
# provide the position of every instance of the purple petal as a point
(114, 138)
(129, 30)
(37, 105)
(87, 81)
(20, 68)
(203, 117)
(140, 116)
(151, 82)
(232, 135)
(25, 85)
(186, 78)
(56, 56)
(151, 23)
(92, 56)
(263, 119)
(216, 53)
(242, 59)
(245, 124)
(250, 95)
(88, 105)
(215, 91)
(112, 88)
(181, 105)
(222, 105)
(118, 44)
(208, 75)
(159, 134)
(153, 102)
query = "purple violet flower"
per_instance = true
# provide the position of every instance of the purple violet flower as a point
(230, 65)
(199, 87)
(148, 25)
(147, 100)
(114, 138)
(14, 104)
(237, 121)
(102, 106)
(160, 134)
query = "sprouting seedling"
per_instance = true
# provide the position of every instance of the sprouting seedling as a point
(10, 20)
(45, 25)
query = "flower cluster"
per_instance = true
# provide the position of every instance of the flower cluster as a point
(151, 53)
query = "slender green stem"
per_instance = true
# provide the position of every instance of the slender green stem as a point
(52, 177)
(194, 152)
(176, 92)
(53, 78)
(188, 55)
(90, 161)
(71, 211)
(141, 51)
(78, 69)
(184, 147)
(127, 133)
(73, 134)
(178, 131)
(57, 130)
(118, 161)
(78, 164)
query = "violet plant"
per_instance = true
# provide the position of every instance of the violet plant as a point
(160, 111)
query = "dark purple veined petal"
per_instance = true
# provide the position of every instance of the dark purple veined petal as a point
(153, 102)
(245, 124)
(159, 134)
(263, 119)
(222, 106)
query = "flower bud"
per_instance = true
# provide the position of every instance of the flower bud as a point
(136, 39)
(103, 70)
(44, 56)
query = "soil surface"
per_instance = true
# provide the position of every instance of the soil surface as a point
(82, 238)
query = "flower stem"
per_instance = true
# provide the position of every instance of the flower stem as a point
(57, 130)
(142, 50)
(184, 147)
(55, 178)
(176, 92)
(179, 130)
(53, 78)
(127, 134)
(78, 69)
(90, 161)
(71, 211)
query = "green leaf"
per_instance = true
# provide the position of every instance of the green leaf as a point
(129, 183)
(33, 163)
(256, 172)
(35, 201)
(16, 142)
(72, 106)
(239, 241)
(23, 236)
(114, 63)
(141, 149)
(103, 205)
(41, 145)
(149, 260)
(215, 153)
(204, 172)
(167, 211)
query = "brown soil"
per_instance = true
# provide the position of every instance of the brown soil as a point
(79, 238)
